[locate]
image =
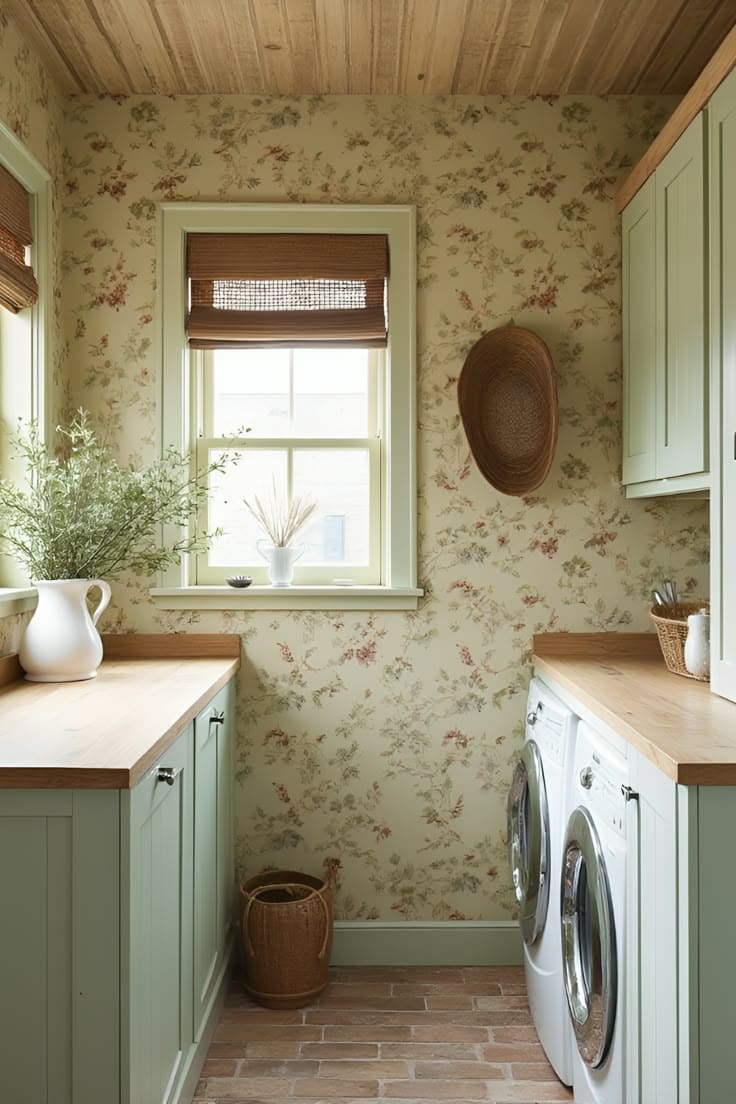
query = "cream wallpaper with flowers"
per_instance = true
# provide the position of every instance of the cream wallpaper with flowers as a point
(30, 107)
(378, 746)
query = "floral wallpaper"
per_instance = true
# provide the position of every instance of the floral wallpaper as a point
(30, 106)
(379, 746)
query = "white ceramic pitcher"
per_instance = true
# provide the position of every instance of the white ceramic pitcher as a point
(280, 561)
(61, 643)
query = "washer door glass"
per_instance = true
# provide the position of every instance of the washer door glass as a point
(588, 940)
(528, 834)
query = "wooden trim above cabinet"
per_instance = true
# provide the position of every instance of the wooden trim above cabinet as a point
(717, 69)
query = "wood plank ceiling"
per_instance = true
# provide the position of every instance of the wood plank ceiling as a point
(521, 47)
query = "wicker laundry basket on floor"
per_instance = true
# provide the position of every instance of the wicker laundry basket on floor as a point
(287, 937)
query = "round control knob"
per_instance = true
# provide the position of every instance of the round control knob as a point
(586, 777)
(531, 718)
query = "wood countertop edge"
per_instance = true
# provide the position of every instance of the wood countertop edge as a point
(552, 650)
(155, 646)
(661, 759)
(139, 769)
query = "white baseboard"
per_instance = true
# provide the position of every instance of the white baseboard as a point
(426, 943)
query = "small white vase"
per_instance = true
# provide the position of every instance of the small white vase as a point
(61, 643)
(697, 645)
(280, 561)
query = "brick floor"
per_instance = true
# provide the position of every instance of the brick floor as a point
(410, 1034)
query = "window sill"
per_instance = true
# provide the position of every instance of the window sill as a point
(287, 598)
(17, 600)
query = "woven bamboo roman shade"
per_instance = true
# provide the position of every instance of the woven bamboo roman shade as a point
(18, 287)
(251, 290)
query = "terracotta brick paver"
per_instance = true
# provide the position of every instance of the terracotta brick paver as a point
(409, 1034)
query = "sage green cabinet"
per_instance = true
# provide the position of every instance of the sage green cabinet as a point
(213, 857)
(160, 881)
(116, 927)
(722, 122)
(639, 337)
(664, 325)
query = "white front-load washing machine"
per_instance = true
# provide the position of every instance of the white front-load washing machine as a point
(592, 906)
(536, 822)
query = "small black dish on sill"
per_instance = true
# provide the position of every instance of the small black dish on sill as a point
(239, 580)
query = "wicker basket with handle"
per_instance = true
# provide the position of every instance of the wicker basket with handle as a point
(671, 625)
(287, 937)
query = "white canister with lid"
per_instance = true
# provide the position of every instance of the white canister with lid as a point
(697, 644)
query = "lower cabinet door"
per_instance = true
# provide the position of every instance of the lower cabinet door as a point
(160, 828)
(212, 849)
(652, 951)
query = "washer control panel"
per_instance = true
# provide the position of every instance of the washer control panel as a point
(600, 780)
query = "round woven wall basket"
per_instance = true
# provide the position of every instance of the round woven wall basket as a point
(507, 394)
(287, 937)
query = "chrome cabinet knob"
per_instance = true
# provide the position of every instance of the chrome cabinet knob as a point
(168, 775)
(586, 777)
(217, 718)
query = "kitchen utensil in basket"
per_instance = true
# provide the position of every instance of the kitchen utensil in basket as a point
(671, 625)
(287, 937)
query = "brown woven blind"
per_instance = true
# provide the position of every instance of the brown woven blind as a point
(18, 287)
(250, 290)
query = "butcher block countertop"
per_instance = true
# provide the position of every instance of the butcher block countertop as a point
(621, 678)
(106, 732)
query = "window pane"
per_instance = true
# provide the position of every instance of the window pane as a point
(339, 480)
(330, 393)
(251, 390)
(253, 475)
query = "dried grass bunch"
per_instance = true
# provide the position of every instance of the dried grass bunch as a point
(281, 519)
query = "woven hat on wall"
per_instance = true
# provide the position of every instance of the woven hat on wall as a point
(508, 404)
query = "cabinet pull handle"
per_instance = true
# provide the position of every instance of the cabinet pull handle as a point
(168, 775)
(629, 794)
(218, 718)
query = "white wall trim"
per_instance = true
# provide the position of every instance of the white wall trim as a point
(427, 943)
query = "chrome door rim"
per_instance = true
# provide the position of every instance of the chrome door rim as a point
(588, 940)
(528, 839)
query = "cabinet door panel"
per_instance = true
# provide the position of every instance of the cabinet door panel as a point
(212, 847)
(159, 838)
(206, 949)
(680, 310)
(225, 857)
(722, 118)
(639, 399)
(653, 970)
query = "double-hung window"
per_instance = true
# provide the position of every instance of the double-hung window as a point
(24, 318)
(288, 341)
(312, 416)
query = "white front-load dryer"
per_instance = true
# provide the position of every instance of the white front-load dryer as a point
(592, 907)
(536, 822)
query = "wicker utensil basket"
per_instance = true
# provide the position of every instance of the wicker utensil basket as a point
(287, 937)
(671, 625)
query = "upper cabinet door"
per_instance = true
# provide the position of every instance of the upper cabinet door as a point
(682, 440)
(639, 348)
(722, 122)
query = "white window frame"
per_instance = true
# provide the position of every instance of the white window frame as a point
(372, 443)
(177, 589)
(24, 393)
